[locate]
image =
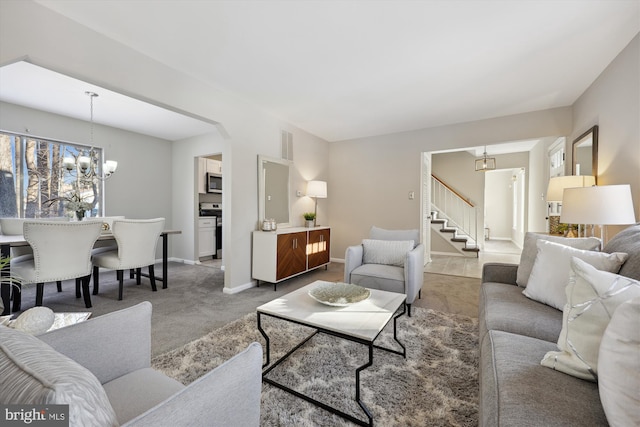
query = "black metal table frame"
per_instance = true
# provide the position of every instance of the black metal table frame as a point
(5, 288)
(369, 344)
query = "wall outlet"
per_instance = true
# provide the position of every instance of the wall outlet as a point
(299, 193)
(412, 195)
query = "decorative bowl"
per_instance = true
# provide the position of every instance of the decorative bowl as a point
(339, 294)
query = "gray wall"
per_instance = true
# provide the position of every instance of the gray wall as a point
(371, 177)
(613, 103)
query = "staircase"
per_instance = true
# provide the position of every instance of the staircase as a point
(454, 217)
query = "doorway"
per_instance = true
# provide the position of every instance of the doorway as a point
(504, 210)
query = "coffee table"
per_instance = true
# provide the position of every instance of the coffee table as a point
(361, 322)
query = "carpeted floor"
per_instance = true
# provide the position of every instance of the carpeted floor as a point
(436, 385)
(194, 304)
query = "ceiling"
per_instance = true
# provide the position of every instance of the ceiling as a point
(350, 69)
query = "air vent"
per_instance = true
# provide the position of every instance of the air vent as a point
(287, 145)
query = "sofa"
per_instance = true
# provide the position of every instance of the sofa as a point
(101, 368)
(515, 334)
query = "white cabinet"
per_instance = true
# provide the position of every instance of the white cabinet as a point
(287, 252)
(214, 166)
(207, 236)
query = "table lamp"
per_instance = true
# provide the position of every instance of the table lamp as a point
(317, 189)
(600, 205)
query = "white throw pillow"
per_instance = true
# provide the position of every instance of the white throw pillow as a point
(37, 374)
(388, 252)
(592, 297)
(619, 366)
(529, 251)
(551, 270)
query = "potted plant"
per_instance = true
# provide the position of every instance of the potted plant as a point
(310, 219)
(11, 280)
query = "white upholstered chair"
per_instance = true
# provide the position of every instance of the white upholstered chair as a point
(14, 227)
(61, 251)
(390, 260)
(137, 240)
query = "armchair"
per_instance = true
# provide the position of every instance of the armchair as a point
(406, 276)
(110, 363)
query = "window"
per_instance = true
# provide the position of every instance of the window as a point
(34, 184)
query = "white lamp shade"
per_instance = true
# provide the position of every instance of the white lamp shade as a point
(557, 185)
(317, 189)
(601, 205)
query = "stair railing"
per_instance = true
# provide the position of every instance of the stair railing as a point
(459, 212)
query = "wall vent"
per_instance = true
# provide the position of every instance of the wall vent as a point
(287, 145)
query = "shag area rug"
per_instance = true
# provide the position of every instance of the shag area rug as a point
(436, 385)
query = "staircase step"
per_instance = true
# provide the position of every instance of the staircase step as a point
(438, 221)
(475, 249)
(460, 239)
(448, 230)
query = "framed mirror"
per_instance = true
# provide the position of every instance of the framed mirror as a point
(585, 154)
(274, 190)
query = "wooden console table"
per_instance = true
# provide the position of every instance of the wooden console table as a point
(287, 252)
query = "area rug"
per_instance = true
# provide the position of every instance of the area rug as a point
(436, 385)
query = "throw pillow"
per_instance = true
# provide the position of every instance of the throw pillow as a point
(551, 270)
(37, 374)
(628, 240)
(529, 251)
(388, 252)
(592, 297)
(619, 366)
(34, 321)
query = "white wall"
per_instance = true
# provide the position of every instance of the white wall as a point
(184, 206)
(538, 169)
(613, 103)
(60, 44)
(498, 201)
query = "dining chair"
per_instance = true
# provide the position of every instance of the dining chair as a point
(137, 240)
(14, 227)
(61, 251)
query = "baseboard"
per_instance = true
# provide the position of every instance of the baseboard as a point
(338, 260)
(237, 289)
(447, 254)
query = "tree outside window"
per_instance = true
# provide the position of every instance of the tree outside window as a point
(34, 184)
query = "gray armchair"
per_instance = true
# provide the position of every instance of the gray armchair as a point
(406, 277)
(116, 350)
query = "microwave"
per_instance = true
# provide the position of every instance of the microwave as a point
(214, 182)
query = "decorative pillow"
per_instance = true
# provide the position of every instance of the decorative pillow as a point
(34, 373)
(619, 366)
(529, 251)
(551, 270)
(592, 297)
(34, 321)
(628, 240)
(388, 252)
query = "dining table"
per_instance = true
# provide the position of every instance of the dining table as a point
(7, 242)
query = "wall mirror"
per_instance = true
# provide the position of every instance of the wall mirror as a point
(585, 154)
(274, 190)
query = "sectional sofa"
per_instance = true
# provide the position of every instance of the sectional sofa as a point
(516, 333)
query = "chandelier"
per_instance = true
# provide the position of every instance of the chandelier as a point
(485, 163)
(87, 166)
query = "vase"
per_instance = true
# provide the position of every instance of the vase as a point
(80, 215)
(309, 223)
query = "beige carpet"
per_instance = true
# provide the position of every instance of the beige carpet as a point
(436, 385)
